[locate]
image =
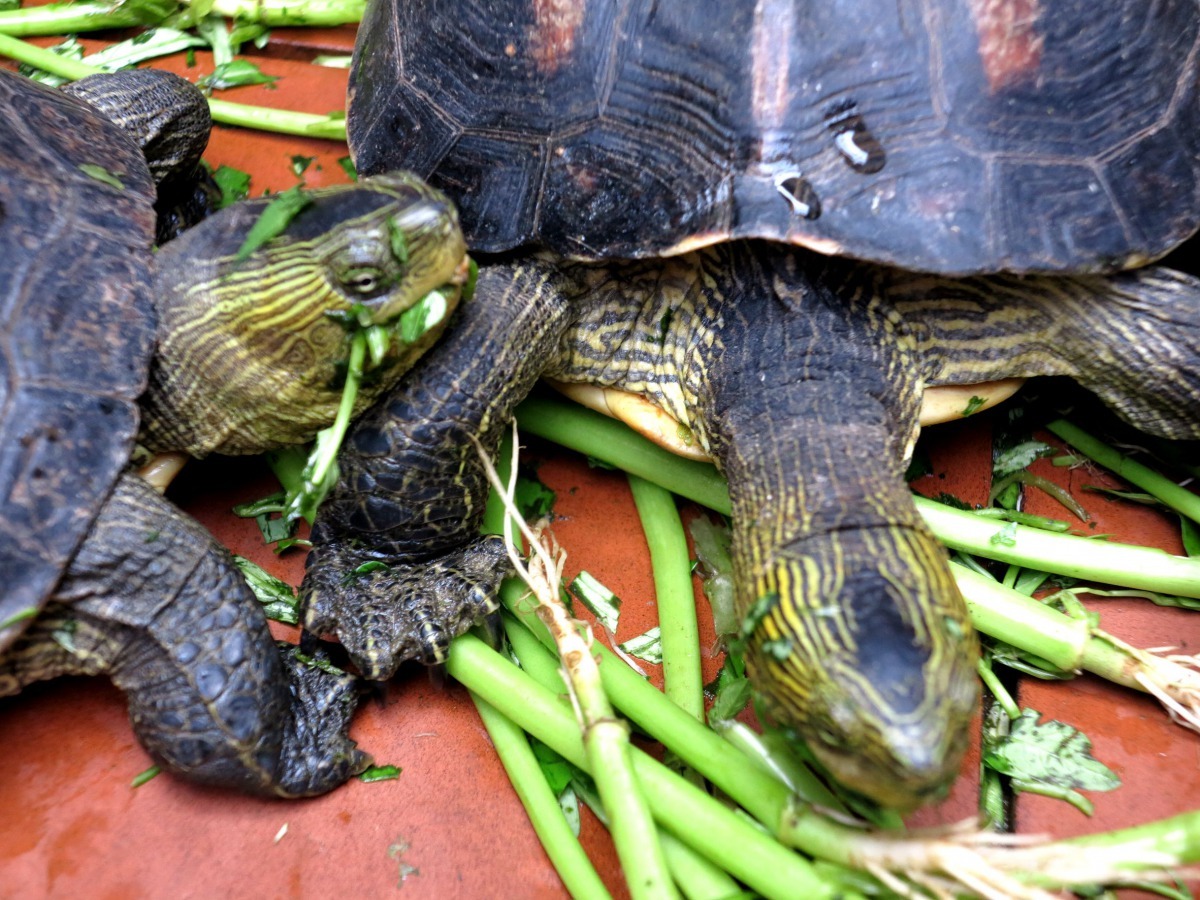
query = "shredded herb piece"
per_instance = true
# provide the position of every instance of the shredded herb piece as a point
(380, 773)
(234, 185)
(300, 164)
(1019, 456)
(1006, 536)
(348, 167)
(101, 174)
(142, 777)
(1049, 757)
(21, 616)
(277, 596)
(712, 544)
(973, 406)
(274, 220)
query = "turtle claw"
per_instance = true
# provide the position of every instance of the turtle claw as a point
(384, 616)
(317, 754)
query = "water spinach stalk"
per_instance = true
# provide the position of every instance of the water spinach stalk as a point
(605, 738)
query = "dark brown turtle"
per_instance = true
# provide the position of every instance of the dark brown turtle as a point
(718, 145)
(101, 574)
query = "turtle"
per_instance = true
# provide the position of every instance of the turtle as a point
(199, 346)
(778, 223)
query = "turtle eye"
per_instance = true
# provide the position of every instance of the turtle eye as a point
(363, 281)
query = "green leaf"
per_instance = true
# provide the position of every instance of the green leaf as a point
(150, 44)
(1006, 536)
(533, 499)
(277, 596)
(1020, 456)
(273, 220)
(300, 164)
(599, 600)
(712, 543)
(398, 240)
(235, 73)
(64, 635)
(244, 31)
(973, 406)
(101, 174)
(1190, 533)
(380, 773)
(20, 616)
(348, 167)
(272, 503)
(1051, 753)
(919, 466)
(733, 692)
(426, 313)
(142, 777)
(556, 770)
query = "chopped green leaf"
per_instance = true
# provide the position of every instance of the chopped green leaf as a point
(143, 777)
(712, 543)
(758, 611)
(398, 240)
(379, 773)
(333, 62)
(272, 503)
(533, 499)
(277, 596)
(919, 466)
(347, 165)
(373, 565)
(316, 662)
(1132, 496)
(973, 406)
(1190, 533)
(426, 313)
(1019, 457)
(300, 164)
(600, 601)
(557, 771)
(64, 634)
(20, 616)
(235, 73)
(779, 650)
(646, 646)
(102, 175)
(150, 44)
(1049, 755)
(1006, 536)
(733, 692)
(234, 185)
(274, 220)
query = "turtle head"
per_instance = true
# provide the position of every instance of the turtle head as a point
(255, 333)
(874, 667)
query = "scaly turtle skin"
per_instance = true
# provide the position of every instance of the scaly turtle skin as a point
(102, 575)
(939, 138)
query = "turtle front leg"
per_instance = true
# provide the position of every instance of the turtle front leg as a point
(398, 568)
(808, 398)
(155, 603)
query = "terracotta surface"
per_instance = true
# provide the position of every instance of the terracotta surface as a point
(450, 826)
